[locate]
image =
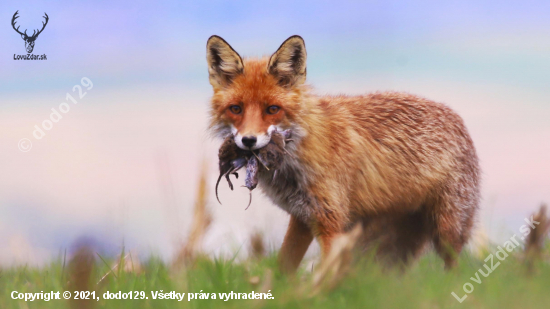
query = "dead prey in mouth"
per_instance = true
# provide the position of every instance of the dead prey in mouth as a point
(232, 159)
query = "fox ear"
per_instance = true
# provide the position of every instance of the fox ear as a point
(224, 63)
(288, 63)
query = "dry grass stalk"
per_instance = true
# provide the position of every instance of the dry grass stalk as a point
(129, 265)
(267, 283)
(132, 264)
(266, 287)
(257, 247)
(534, 244)
(202, 218)
(479, 244)
(337, 263)
(254, 280)
(80, 275)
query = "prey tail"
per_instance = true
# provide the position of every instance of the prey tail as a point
(249, 200)
(217, 184)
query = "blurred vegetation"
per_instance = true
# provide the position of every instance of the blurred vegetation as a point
(424, 285)
(345, 278)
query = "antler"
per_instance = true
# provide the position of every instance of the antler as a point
(13, 24)
(43, 25)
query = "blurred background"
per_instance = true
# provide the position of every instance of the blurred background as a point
(122, 165)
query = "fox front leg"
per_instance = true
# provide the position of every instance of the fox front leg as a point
(297, 240)
(328, 222)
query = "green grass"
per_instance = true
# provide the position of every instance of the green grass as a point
(424, 285)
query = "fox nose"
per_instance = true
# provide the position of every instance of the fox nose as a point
(249, 141)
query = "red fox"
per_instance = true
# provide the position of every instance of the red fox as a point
(403, 166)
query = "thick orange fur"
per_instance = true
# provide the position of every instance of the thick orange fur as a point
(403, 165)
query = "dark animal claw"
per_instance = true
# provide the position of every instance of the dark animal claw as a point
(229, 181)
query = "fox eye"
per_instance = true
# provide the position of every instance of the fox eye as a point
(273, 109)
(235, 109)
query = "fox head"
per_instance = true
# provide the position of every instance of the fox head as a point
(254, 97)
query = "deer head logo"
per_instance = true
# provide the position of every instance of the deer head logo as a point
(29, 40)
